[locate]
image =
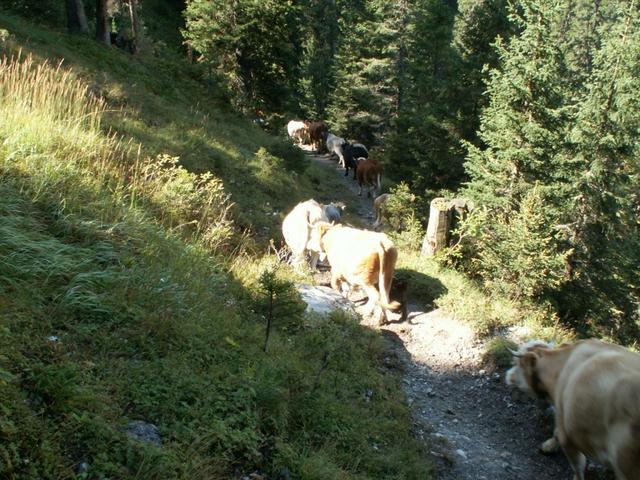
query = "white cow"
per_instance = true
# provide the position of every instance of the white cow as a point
(297, 130)
(296, 229)
(334, 145)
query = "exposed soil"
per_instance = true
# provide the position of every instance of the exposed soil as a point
(476, 427)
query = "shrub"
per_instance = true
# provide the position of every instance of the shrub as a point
(403, 217)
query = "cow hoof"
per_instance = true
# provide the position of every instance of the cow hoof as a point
(549, 446)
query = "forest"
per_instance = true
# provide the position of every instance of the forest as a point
(527, 108)
(145, 172)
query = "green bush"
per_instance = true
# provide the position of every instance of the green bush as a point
(517, 252)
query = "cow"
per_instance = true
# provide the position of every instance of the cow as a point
(379, 208)
(334, 145)
(333, 212)
(318, 132)
(298, 130)
(369, 173)
(359, 258)
(595, 389)
(351, 154)
(296, 230)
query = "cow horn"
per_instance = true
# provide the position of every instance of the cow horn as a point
(515, 354)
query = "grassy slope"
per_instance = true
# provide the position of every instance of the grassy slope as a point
(111, 310)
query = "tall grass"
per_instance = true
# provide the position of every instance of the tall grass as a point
(50, 122)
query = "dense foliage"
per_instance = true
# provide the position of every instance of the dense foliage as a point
(557, 211)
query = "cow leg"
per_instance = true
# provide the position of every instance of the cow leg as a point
(359, 189)
(336, 283)
(314, 260)
(372, 295)
(576, 459)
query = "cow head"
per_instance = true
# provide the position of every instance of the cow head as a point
(524, 373)
(317, 232)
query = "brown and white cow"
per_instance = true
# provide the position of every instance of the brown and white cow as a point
(296, 229)
(369, 173)
(298, 130)
(359, 258)
(595, 389)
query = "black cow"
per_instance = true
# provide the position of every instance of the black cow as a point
(351, 153)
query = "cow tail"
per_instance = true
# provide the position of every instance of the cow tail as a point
(387, 258)
(379, 182)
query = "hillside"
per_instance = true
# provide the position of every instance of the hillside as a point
(130, 286)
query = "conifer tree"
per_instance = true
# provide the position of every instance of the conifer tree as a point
(524, 129)
(603, 227)
(425, 145)
(255, 47)
(318, 58)
(365, 88)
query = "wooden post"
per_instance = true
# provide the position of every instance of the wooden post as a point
(437, 235)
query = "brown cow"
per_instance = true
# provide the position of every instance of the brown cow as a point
(359, 258)
(595, 389)
(318, 132)
(369, 173)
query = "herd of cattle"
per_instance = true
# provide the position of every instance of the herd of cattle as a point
(351, 156)
(593, 386)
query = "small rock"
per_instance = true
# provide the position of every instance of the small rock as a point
(461, 453)
(482, 372)
(366, 396)
(144, 432)
(82, 468)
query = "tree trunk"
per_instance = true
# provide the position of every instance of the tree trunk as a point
(76, 17)
(437, 235)
(133, 15)
(103, 29)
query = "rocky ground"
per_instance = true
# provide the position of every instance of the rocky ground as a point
(476, 427)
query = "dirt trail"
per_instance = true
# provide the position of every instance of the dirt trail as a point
(476, 427)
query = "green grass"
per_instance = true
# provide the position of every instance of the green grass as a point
(128, 287)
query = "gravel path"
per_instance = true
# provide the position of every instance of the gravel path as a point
(476, 427)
